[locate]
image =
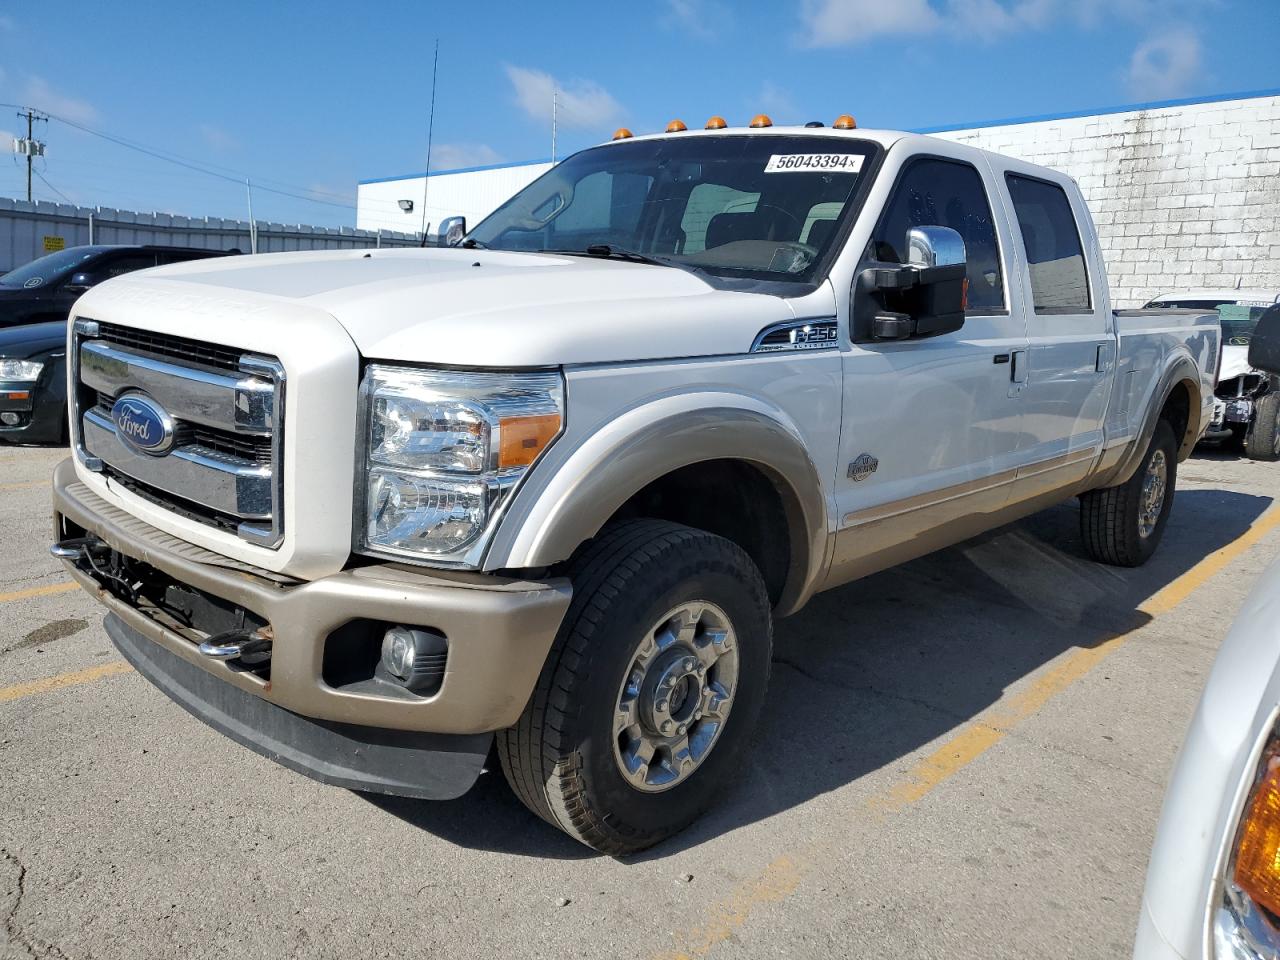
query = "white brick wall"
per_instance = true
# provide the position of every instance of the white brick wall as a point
(1185, 196)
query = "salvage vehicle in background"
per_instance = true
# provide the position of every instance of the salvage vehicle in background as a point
(45, 288)
(367, 511)
(1213, 883)
(1247, 409)
(33, 383)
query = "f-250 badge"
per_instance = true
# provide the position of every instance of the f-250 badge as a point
(862, 466)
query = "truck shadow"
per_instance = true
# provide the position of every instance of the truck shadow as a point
(868, 673)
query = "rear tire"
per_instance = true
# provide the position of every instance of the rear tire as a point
(669, 627)
(1262, 442)
(1122, 525)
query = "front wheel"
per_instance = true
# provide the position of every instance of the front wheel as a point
(1123, 525)
(650, 694)
(1262, 442)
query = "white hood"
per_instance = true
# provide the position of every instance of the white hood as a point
(487, 308)
(1235, 362)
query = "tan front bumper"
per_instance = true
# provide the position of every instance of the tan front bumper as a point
(500, 630)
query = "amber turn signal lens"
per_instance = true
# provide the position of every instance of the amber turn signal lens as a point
(1257, 870)
(845, 122)
(761, 120)
(524, 438)
(675, 126)
(18, 395)
(621, 133)
(716, 123)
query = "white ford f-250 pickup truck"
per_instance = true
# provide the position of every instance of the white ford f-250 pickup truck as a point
(367, 512)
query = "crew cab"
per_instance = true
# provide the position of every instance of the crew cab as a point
(1247, 409)
(551, 486)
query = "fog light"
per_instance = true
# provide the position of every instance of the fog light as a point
(9, 418)
(415, 658)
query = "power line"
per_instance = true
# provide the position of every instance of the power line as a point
(197, 167)
(52, 187)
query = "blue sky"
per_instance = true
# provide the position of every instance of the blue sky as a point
(311, 98)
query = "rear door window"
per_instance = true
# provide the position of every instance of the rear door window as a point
(933, 192)
(1051, 239)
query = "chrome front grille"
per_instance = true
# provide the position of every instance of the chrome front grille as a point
(222, 414)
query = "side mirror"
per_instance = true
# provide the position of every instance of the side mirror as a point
(1264, 345)
(924, 297)
(79, 283)
(451, 231)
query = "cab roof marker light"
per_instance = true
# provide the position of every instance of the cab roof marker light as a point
(622, 133)
(716, 123)
(761, 120)
(845, 122)
(676, 126)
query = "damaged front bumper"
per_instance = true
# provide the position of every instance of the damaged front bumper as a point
(311, 697)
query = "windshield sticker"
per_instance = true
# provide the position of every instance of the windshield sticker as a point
(34, 282)
(814, 163)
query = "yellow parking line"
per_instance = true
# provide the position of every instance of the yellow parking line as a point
(975, 739)
(46, 590)
(25, 485)
(48, 684)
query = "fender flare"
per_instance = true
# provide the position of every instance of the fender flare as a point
(1180, 369)
(569, 500)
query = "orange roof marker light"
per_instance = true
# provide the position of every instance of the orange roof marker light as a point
(761, 120)
(622, 133)
(845, 122)
(676, 126)
(716, 123)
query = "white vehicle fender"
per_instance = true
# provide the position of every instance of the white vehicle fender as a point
(568, 500)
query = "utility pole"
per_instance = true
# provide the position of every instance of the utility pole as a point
(31, 146)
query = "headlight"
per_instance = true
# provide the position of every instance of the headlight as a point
(443, 452)
(20, 369)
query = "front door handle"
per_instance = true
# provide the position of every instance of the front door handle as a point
(1018, 368)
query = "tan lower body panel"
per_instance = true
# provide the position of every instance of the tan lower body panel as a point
(499, 630)
(889, 534)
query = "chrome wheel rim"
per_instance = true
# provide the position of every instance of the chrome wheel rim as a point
(676, 696)
(1153, 492)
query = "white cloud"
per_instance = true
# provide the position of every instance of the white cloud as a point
(1165, 65)
(831, 23)
(776, 102)
(454, 156)
(218, 138)
(704, 19)
(37, 93)
(6, 141)
(581, 103)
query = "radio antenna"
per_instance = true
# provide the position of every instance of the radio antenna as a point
(431, 121)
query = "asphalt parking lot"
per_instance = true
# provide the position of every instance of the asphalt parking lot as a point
(962, 757)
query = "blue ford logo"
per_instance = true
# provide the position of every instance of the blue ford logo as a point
(142, 424)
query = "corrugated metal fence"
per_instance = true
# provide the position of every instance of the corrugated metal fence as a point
(30, 230)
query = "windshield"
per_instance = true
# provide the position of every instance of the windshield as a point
(49, 269)
(1239, 322)
(767, 207)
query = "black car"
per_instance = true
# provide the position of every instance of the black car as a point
(33, 383)
(45, 289)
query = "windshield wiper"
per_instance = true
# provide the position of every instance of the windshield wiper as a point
(614, 252)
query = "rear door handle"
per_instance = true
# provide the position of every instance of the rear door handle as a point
(1106, 353)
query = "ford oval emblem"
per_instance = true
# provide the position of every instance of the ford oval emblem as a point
(142, 424)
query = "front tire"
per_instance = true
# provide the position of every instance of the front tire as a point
(1122, 525)
(652, 689)
(1262, 442)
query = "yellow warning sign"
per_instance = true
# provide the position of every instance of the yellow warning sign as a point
(54, 244)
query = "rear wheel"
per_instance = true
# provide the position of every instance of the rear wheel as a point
(651, 691)
(1262, 442)
(1122, 525)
